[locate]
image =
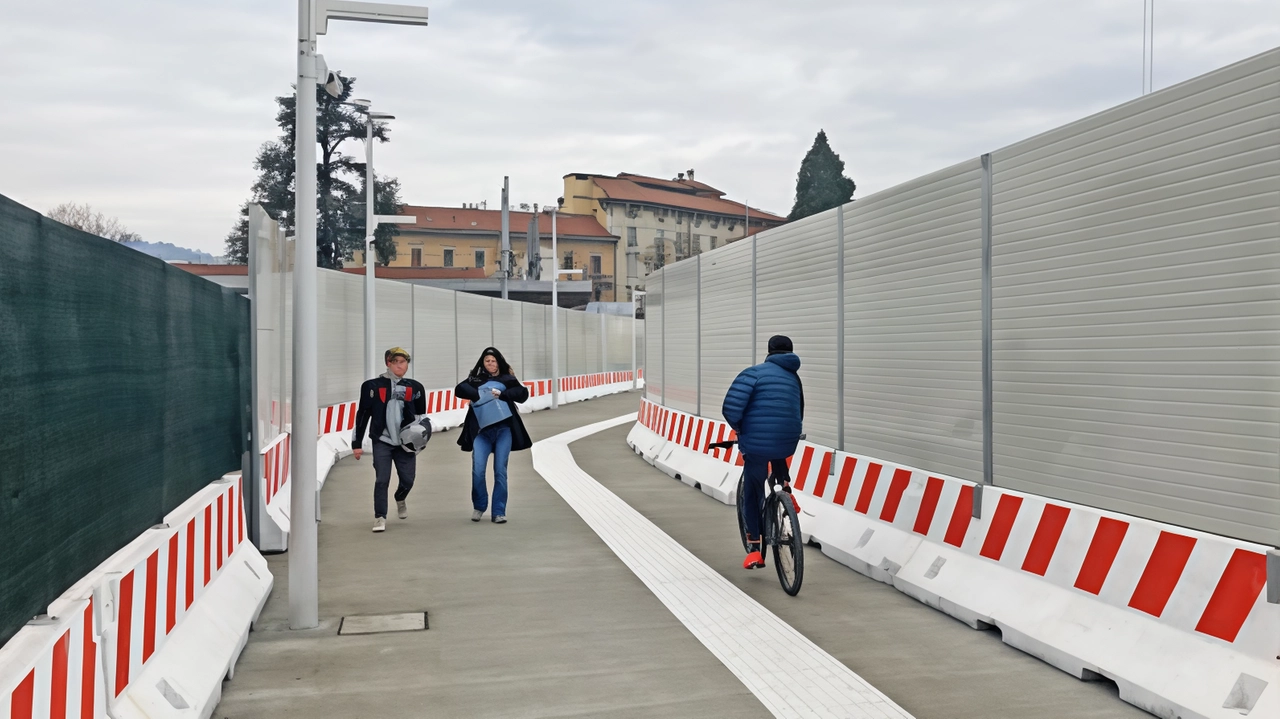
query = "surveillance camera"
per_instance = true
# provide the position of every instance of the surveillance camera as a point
(333, 84)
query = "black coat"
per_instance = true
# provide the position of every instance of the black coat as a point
(469, 389)
(372, 408)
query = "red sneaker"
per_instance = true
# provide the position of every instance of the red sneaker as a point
(753, 561)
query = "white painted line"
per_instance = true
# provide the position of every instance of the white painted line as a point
(789, 674)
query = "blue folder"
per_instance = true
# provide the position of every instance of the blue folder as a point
(489, 409)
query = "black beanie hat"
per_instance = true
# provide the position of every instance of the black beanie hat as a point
(779, 344)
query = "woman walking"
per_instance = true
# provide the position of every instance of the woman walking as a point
(493, 426)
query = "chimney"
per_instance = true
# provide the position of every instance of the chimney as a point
(680, 177)
(691, 175)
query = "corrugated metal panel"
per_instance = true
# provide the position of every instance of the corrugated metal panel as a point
(575, 343)
(393, 327)
(340, 341)
(590, 324)
(681, 373)
(641, 346)
(475, 328)
(537, 351)
(1136, 319)
(620, 343)
(913, 323)
(507, 330)
(726, 321)
(435, 352)
(654, 308)
(796, 296)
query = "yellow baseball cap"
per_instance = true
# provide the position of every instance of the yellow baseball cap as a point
(397, 351)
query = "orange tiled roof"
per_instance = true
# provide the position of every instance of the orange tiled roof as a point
(422, 273)
(624, 188)
(452, 219)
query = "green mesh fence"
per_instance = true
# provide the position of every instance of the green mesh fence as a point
(124, 389)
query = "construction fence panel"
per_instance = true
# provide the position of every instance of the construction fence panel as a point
(435, 347)
(507, 330)
(654, 333)
(913, 323)
(1136, 325)
(340, 336)
(475, 329)
(393, 325)
(726, 321)
(680, 374)
(536, 363)
(796, 295)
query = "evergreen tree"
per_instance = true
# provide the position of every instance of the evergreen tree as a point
(821, 184)
(340, 183)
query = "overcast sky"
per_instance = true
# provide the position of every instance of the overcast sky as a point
(153, 110)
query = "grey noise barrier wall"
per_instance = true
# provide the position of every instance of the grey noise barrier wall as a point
(124, 390)
(1131, 328)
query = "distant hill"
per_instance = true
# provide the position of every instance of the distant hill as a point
(167, 251)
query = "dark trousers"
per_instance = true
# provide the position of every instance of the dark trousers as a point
(755, 471)
(406, 469)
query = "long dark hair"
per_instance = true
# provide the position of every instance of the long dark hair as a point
(480, 373)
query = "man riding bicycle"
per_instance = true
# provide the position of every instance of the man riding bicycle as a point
(765, 406)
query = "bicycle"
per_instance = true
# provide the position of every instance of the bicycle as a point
(779, 525)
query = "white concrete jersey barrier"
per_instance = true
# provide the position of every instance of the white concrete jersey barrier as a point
(1178, 619)
(337, 423)
(154, 630)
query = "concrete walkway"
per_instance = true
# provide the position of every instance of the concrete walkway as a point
(538, 617)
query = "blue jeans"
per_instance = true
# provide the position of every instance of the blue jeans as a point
(495, 440)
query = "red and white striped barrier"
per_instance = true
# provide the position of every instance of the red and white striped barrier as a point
(153, 630)
(678, 444)
(1177, 618)
(51, 669)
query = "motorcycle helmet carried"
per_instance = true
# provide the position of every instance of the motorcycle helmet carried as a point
(415, 436)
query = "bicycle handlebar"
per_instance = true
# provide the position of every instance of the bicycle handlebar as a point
(728, 443)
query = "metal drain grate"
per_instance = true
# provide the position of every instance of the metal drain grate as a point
(381, 623)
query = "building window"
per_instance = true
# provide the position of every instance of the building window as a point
(417, 257)
(480, 259)
(448, 257)
(595, 265)
(661, 234)
(713, 242)
(567, 262)
(631, 237)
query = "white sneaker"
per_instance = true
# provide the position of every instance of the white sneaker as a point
(402, 509)
(476, 515)
(380, 524)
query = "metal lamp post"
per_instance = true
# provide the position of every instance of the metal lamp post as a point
(555, 313)
(313, 20)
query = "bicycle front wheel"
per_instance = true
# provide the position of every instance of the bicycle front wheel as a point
(788, 545)
(742, 521)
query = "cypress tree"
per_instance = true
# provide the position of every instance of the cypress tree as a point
(821, 184)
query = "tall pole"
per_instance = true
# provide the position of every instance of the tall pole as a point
(634, 383)
(370, 256)
(505, 262)
(303, 555)
(555, 317)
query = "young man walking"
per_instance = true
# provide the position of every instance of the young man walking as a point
(389, 403)
(765, 406)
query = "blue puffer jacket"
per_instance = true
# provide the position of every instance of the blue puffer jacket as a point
(765, 406)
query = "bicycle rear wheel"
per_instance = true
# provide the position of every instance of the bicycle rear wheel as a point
(788, 545)
(742, 522)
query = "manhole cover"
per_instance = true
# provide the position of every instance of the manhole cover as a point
(380, 623)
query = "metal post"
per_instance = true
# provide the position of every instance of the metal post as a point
(303, 553)
(252, 472)
(555, 312)
(635, 382)
(505, 263)
(697, 318)
(665, 380)
(754, 329)
(839, 329)
(370, 256)
(988, 421)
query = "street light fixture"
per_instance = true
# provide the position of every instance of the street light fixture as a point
(313, 20)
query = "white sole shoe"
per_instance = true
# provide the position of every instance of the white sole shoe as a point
(379, 525)
(402, 509)
(476, 515)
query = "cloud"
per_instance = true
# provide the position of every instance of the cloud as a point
(153, 110)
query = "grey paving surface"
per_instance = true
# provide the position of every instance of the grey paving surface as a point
(534, 618)
(538, 618)
(932, 665)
